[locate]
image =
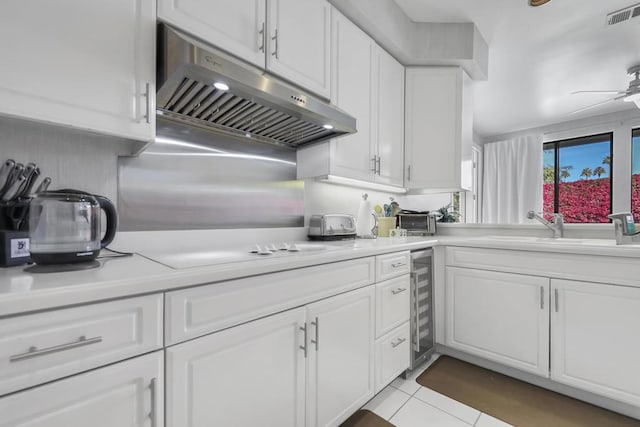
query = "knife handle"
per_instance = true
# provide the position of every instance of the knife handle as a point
(13, 190)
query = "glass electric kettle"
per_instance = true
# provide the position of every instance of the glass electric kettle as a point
(64, 226)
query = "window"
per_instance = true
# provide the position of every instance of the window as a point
(577, 178)
(635, 174)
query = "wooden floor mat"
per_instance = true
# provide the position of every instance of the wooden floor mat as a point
(513, 401)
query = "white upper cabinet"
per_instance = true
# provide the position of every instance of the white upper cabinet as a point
(290, 38)
(236, 26)
(353, 67)
(367, 83)
(439, 129)
(81, 64)
(389, 119)
(299, 40)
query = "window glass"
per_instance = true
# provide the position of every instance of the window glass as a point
(635, 175)
(581, 169)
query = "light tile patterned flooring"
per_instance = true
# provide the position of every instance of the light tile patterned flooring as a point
(405, 403)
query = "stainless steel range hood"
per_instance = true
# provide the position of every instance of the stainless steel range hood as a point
(255, 105)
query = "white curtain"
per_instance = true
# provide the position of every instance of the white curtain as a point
(512, 181)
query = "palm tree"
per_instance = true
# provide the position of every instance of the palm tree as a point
(607, 161)
(586, 172)
(599, 170)
(564, 171)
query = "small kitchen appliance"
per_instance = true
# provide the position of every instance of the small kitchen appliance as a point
(417, 223)
(64, 226)
(332, 227)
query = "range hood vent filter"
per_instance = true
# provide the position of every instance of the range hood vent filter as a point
(255, 105)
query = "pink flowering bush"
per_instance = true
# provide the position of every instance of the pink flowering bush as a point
(585, 200)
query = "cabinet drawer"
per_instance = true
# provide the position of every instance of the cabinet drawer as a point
(392, 265)
(392, 303)
(393, 352)
(42, 347)
(201, 310)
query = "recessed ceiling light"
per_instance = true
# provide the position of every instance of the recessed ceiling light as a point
(221, 86)
(328, 126)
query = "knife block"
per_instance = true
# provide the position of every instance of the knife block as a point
(14, 233)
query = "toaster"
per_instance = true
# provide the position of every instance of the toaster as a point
(332, 227)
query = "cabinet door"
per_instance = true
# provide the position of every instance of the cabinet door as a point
(437, 117)
(235, 26)
(299, 40)
(341, 355)
(499, 316)
(390, 119)
(353, 56)
(594, 344)
(82, 64)
(249, 375)
(127, 394)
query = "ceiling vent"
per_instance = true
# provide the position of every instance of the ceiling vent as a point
(623, 15)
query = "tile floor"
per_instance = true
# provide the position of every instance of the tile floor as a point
(405, 403)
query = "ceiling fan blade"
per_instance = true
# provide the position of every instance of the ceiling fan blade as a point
(599, 91)
(599, 104)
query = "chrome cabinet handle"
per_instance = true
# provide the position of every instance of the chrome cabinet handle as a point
(398, 291)
(34, 352)
(154, 392)
(409, 173)
(304, 347)
(262, 38)
(542, 297)
(397, 343)
(557, 303)
(275, 44)
(398, 264)
(378, 165)
(147, 97)
(373, 160)
(317, 326)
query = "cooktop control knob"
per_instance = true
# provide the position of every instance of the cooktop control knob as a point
(293, 248)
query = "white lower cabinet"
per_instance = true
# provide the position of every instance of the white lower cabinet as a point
(310, 366)
(340, 368)
(249, 375)
(392, 356)
(126, 394)
(499, 316)
(594, 338)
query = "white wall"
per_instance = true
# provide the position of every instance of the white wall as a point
(72, 158)
(324, 198)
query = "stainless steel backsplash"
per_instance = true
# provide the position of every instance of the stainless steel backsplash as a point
(191, 178)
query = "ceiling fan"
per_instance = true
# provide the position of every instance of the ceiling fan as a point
(631, 94)
(537, 2)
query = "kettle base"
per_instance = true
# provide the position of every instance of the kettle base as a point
(56, 258)
(62, 268)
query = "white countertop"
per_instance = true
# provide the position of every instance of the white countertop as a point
(22, 292)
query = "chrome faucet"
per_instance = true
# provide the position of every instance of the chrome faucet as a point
(557, 226)
(624, 228)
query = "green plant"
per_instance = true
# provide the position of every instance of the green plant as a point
(445, 215)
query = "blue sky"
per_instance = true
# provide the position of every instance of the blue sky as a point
(583, 156)
(635, 167)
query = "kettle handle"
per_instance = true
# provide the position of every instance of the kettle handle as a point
(112, 220)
